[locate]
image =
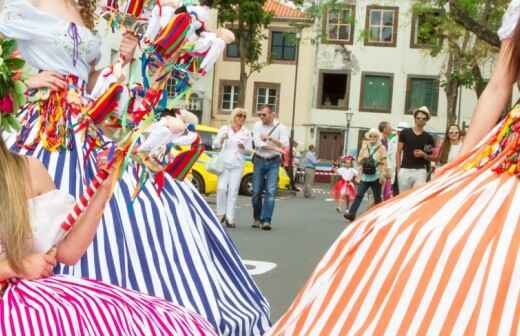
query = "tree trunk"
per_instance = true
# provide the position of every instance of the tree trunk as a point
(452, 90)
(480, 83)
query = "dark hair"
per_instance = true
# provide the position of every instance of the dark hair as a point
(446, 145)
(311, 147)
(382, 126)
(208, 3)
(417, 111)
(266, 107)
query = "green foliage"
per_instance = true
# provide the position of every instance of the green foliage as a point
(249, 19)
(11, 89)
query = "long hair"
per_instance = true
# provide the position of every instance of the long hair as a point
(15, 228)
(446, 145)
(86, 10)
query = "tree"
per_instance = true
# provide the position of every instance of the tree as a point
(464, 30)
(248, 19)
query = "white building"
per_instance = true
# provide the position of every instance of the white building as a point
(375, 67)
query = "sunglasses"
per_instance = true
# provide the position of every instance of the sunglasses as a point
(241, 116)
(261, 115)
(454, 132)
(421, 118)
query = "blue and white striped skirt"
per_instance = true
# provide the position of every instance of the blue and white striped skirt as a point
(169, 245)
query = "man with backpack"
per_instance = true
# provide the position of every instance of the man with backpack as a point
(374, 171)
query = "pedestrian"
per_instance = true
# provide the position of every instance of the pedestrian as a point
(291, 164)
(344, 191)
(415, 152)
(270, 137)
(310, 171)
(374, 171)
(451, 146)
(236, 142)
(389, 141)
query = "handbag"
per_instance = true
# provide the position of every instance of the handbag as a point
(215, 165)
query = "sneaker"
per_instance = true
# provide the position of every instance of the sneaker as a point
(349, 216)
(230, 224)
(338, 209)
(257, 224)
(266, 226)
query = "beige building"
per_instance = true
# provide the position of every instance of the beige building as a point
(377, 68)
(275, 83)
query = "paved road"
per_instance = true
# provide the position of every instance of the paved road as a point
(303, 230)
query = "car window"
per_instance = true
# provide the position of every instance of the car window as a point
(207, 139)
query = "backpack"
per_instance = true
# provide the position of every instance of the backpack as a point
(369, 165)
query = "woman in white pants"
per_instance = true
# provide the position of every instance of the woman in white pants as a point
(236, 142)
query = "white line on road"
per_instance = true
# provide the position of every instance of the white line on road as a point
(255, 267)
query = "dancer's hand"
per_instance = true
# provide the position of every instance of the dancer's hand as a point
(47, 79)
(128, 46)
(39, 265)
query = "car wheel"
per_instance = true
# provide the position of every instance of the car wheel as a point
(198, 182)
(246, 185)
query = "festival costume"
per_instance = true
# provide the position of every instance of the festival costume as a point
(345, 189)
(442, 259)
(64, 305)
(166, 244)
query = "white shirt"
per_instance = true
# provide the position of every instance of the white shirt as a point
(454, 151)
(347, 174)
(280, 134)
(232, 155)
(46, 41)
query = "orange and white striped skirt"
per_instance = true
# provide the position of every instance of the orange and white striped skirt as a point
(442, 259)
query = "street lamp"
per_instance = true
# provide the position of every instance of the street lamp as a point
(291, 139)
(349, 114)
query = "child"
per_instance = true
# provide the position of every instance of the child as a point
(344, 191)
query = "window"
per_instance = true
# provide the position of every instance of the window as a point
(229, 94)
(376, 92)
(170, 87)
(381, 26)
(266, 94)
(233, 49)
(334, 87)
(283, 46)
(424, 33)
(422, 91)
(339, 25)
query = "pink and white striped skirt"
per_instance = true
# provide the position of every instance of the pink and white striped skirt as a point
(62, 305)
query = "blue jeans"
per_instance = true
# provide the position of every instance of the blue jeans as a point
(265, 184)
(361, 191)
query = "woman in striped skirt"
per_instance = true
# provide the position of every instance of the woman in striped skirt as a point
(168, 245)
(442, 259)
(36, 303)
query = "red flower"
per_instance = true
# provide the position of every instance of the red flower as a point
(6, 104)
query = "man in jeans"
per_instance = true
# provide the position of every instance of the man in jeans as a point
(310, 171)
(414, 152)
(270, 138)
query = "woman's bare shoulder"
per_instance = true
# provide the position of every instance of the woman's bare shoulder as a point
(41, 182)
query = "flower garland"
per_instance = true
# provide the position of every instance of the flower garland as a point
(503, 149)
(12, 89)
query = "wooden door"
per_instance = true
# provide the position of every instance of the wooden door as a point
(330, 145)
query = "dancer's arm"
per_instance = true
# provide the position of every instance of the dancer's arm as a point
(492, 101)
(70, 249)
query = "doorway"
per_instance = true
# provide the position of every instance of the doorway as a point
(330, 145)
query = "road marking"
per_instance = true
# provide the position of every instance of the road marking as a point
(255, 267)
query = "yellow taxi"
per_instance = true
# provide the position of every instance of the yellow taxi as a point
(206, 182)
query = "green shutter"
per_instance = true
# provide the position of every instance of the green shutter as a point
(423, 92)
(377, 93)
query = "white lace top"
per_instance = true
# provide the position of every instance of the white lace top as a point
(48, 211)
(510, 20)
(48, 42)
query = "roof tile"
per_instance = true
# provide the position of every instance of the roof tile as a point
(283, 11)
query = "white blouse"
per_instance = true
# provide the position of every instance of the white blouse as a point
(49, 42)
(47, 212)
(231, 154)
(510, 20)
